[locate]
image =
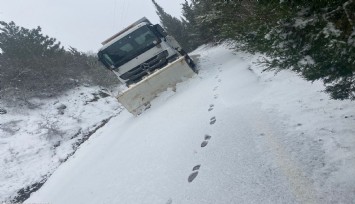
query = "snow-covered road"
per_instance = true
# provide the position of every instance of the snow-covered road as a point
(226, 136)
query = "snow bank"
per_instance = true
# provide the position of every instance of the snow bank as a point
(33, 143)
(233, 134)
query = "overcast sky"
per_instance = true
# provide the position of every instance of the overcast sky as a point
(82, 24)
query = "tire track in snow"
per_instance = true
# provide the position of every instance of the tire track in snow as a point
(301, 187)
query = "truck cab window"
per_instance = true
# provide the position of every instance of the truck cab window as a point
(130, 46)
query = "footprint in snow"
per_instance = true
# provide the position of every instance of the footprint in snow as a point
(170, 201)
(196, 168)
(194, 173)
(211, 107)
(213, 120)
(219, 80)
(215, 88)
(205, 142)
(215, 96)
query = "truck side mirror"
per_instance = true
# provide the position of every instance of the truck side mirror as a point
(107, 66)
(160, 30)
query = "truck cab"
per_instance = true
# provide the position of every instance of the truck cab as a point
(139, 50)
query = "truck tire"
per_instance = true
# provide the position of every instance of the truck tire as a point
(182, 52)
(191, 63)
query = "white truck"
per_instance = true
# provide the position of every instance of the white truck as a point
(147, 60)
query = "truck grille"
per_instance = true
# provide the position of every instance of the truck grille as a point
(136, 74)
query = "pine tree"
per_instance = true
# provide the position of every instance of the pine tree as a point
(173, 26)
(203, 18)
(193, 32)
(33, 64)
(315, 38)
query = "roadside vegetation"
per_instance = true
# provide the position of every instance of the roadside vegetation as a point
(35, 65)
(52, 100)
(314, 38)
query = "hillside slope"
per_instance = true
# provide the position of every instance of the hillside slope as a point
(230, 135)
(36, 139)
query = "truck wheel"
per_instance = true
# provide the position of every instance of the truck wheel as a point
(191, 63)
(182, 52)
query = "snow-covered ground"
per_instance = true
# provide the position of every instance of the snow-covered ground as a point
(232, 134)
(34, 142)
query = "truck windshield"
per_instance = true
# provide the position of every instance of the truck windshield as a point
(129, 47)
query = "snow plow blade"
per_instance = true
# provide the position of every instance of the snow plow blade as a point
(138, 96)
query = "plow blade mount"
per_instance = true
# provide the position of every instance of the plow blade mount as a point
(138, 96)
